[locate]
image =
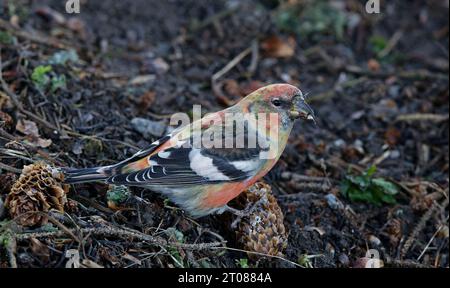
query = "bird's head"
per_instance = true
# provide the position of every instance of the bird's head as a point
(284, 99)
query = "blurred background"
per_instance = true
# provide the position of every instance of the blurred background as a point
(373, 173)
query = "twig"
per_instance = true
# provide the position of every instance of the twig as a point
(429, 242)
(214, 18)
(51, 219)
(9, 242)
(422, 117)
(120, 233)
(6, 135)
(324, 187)
(299, 177)
(260, 254)
(391, 44)
(419, 227)
(405, 264)
(255, 57)
(38, 38)
(9, 168)
(301, 195)
(230, 65)
(10, 249)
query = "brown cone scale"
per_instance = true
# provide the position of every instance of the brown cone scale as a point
(38, 189)
(263, 231)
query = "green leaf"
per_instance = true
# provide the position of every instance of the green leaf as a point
(388, 199)
(118, 194)
(360, 181)
(387, 186)
(6, 38)
(372, 169)
(378, 43)
(58, 82)
(40, 77)
(243, 263)
(175, 233)
(311, 20)
(62, 57)
(345, 187)
(364, 188)
(356, 195)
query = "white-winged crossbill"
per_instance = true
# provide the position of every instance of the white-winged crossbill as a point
(200, 177)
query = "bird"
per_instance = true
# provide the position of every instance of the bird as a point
(201, 179)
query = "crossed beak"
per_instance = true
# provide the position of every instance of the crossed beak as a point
(302, 110)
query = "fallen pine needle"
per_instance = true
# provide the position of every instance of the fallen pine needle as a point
(422, 117)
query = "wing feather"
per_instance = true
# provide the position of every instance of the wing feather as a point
(171, 164)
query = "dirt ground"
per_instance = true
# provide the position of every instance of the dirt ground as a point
(377, 82)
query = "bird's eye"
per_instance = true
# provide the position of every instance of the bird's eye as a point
(276, 102)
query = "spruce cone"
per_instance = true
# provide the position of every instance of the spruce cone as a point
(38, 189)
(263, 230)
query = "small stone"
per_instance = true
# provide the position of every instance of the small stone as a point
(394, 91)
(148, 128)
(142, 79)
(333, 202)
(374, 240)
(160, 66)
(395, 154)
(339, 143)
(344, 260)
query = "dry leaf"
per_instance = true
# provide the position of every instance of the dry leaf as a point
(278, 48)
(232, 87)
(392, 135)
(30, 129)
(146, 101)
(27, 127)
(86, 263)
(373, 65)
(5, 101)
(40, 249)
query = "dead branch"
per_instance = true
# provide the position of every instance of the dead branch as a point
(120, 233)
(422, 117)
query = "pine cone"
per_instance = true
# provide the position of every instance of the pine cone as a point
(38, 189)
(263, 230)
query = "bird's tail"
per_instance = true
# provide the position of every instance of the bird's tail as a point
(72, 176)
